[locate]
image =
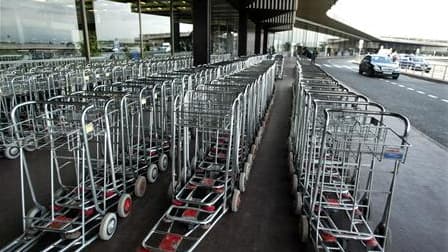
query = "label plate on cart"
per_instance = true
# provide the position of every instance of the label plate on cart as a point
(393, 153)
(170, 242)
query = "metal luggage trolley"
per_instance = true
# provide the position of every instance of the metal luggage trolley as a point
(81, 144)
(204, 199)
(204, 189)
(348, 152)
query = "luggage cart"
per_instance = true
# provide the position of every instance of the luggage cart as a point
(80, 141)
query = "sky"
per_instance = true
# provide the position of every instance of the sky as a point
(426, 19)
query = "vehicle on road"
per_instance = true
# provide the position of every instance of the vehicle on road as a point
(379, 65)
(415, 63)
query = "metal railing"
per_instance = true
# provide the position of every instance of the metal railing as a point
(437, 71)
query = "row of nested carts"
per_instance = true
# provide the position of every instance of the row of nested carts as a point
(108, 128)
(344, 156)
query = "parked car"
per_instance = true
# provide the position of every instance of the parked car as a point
(415, 63)
(379, 65)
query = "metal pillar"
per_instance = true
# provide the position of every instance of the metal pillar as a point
(140, 27)
(201, 32)
(265, 40)
(242, 34)
(85, 31)
(172, 28)
(257, 38)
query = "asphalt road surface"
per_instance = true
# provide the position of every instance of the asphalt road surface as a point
(425, 103)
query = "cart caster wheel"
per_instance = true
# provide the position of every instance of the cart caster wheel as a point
(242, 182)
(294, 184)
(140, 186)
(253, 149)
(247, 167)
(12, 152)
(172, 193)
(236, 200)
(205, 226)
(59, 193)
(32, 213)
(298, 203)
(29, 145)
(124, 205)
(250, 158)
(291, 163)
(381, 230)
(108, 226)
(163, 162)
(258, 140)
(71, 236)
(193, 162)
(152, 173)
(303, 228)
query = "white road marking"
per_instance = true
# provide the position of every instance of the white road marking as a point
(394, 83)
(347, 67)
(445, 100)
(327, 65)
(409, 88)
(433, 96)
(420, 92)
(401, 85)
(338, 66)
(387, 80)
(317, 64)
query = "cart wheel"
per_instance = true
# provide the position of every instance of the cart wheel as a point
(236, 200)
(108, 226)
(291, 163)
(247, 167)
(205, 226)
(11, 152)
(257, 140)
(193, 162)
(242, 182)
(29, 145)
(253, 149)
(381, 230)
(124, 205)
(32, 213)
(289, 145)
(170, 191)
(152, 173)
(250, 158)
(71, 236)
(163, 162)
(303, 228)
(140, 186)
(298, 203)
(294, 184)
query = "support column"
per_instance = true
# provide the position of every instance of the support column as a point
(176, 35)
(86, 23)
(242, 34)
(201, 32)
(265, 40)
(257, 38)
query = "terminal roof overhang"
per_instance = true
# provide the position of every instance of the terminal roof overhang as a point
(274, 15)
(312, 15)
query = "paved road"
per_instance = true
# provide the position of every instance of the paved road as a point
(424, 102)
